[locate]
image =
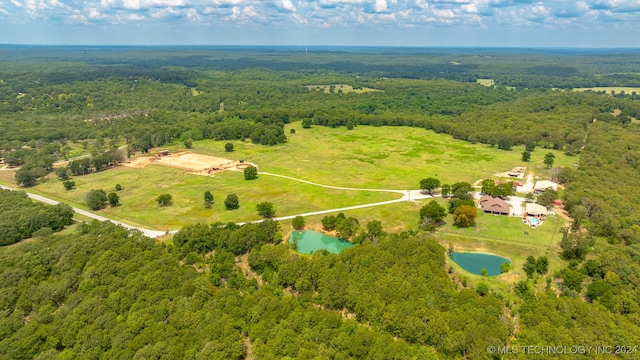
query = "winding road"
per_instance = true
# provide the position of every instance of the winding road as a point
(407, 195)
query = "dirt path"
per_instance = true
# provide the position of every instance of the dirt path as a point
(407, 195)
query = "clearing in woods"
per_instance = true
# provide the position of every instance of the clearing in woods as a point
(339, 87)
(195, 163)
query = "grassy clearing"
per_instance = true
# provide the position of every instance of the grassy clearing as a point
(141, 187)
(609, 89)
(8, 177)
(486, 82)
(379, 157)
(505, 236)
(395, 217)
(344, 88)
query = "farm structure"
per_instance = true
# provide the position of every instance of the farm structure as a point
(542, 185)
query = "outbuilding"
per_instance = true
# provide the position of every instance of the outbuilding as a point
(543, 185)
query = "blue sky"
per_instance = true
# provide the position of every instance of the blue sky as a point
(511, 23)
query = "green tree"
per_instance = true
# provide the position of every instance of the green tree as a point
(431, 215)
(96, 199)
(62, 173)
(329, 222)
(208, 199)
(549, 160)
(530, 266)
(526, 155)
(445, 190)
(597, 289)
(298, 222)
(250, 173)
(542, 265)
(26, 177)
(505, 267)
(574, 245)
(482, 289)
(465, 216)
(228, 147)
(429, 184)
(164, 200)
(69, 184)
(375, 231)
(483, 272)
(114, 199)
(306, 123)
(347, 227)
(266, 209)
(231, 202)
(547, 197)
(188, 143)
(487, 186)
(118, 187)
(571, 279)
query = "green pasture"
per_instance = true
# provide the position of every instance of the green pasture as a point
(396, 217)
(486, 82)
(610, 89)
(379, 157)
(141, 187)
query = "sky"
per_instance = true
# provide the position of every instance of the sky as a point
(488, 23)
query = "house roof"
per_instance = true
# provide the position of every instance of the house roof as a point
(494, 205)
(544, 184)
(535, 209)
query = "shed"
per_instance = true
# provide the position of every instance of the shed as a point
(543, 185)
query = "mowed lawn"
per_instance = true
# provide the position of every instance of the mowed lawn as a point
(379, 157)
(141, 187)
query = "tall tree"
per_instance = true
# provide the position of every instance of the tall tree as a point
(549, 159)
(429, 184)
(298, 222)
(96, 199)
(114, 199)
(250, 173)
(266, 209)
(465, 216)
(164, 200)
(231, 202)
(208, 199)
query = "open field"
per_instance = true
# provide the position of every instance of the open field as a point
(608, 90)
(380, 157)
(142, 186)
(486, 82)
(339, 88)
(194, 163)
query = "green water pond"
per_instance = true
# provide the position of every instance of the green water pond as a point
(309, 241)
(473, 262)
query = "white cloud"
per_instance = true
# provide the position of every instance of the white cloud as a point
(285, 5)
(380, 6)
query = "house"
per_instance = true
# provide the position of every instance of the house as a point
(163, 153)
(536, 210)
(493, 205)
(543, 185)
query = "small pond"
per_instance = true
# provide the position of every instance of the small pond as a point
(309, 241)
(473, 262)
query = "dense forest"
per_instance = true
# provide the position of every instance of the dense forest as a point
(227, 291)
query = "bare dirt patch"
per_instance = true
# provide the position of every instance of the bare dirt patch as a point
(194, 163)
